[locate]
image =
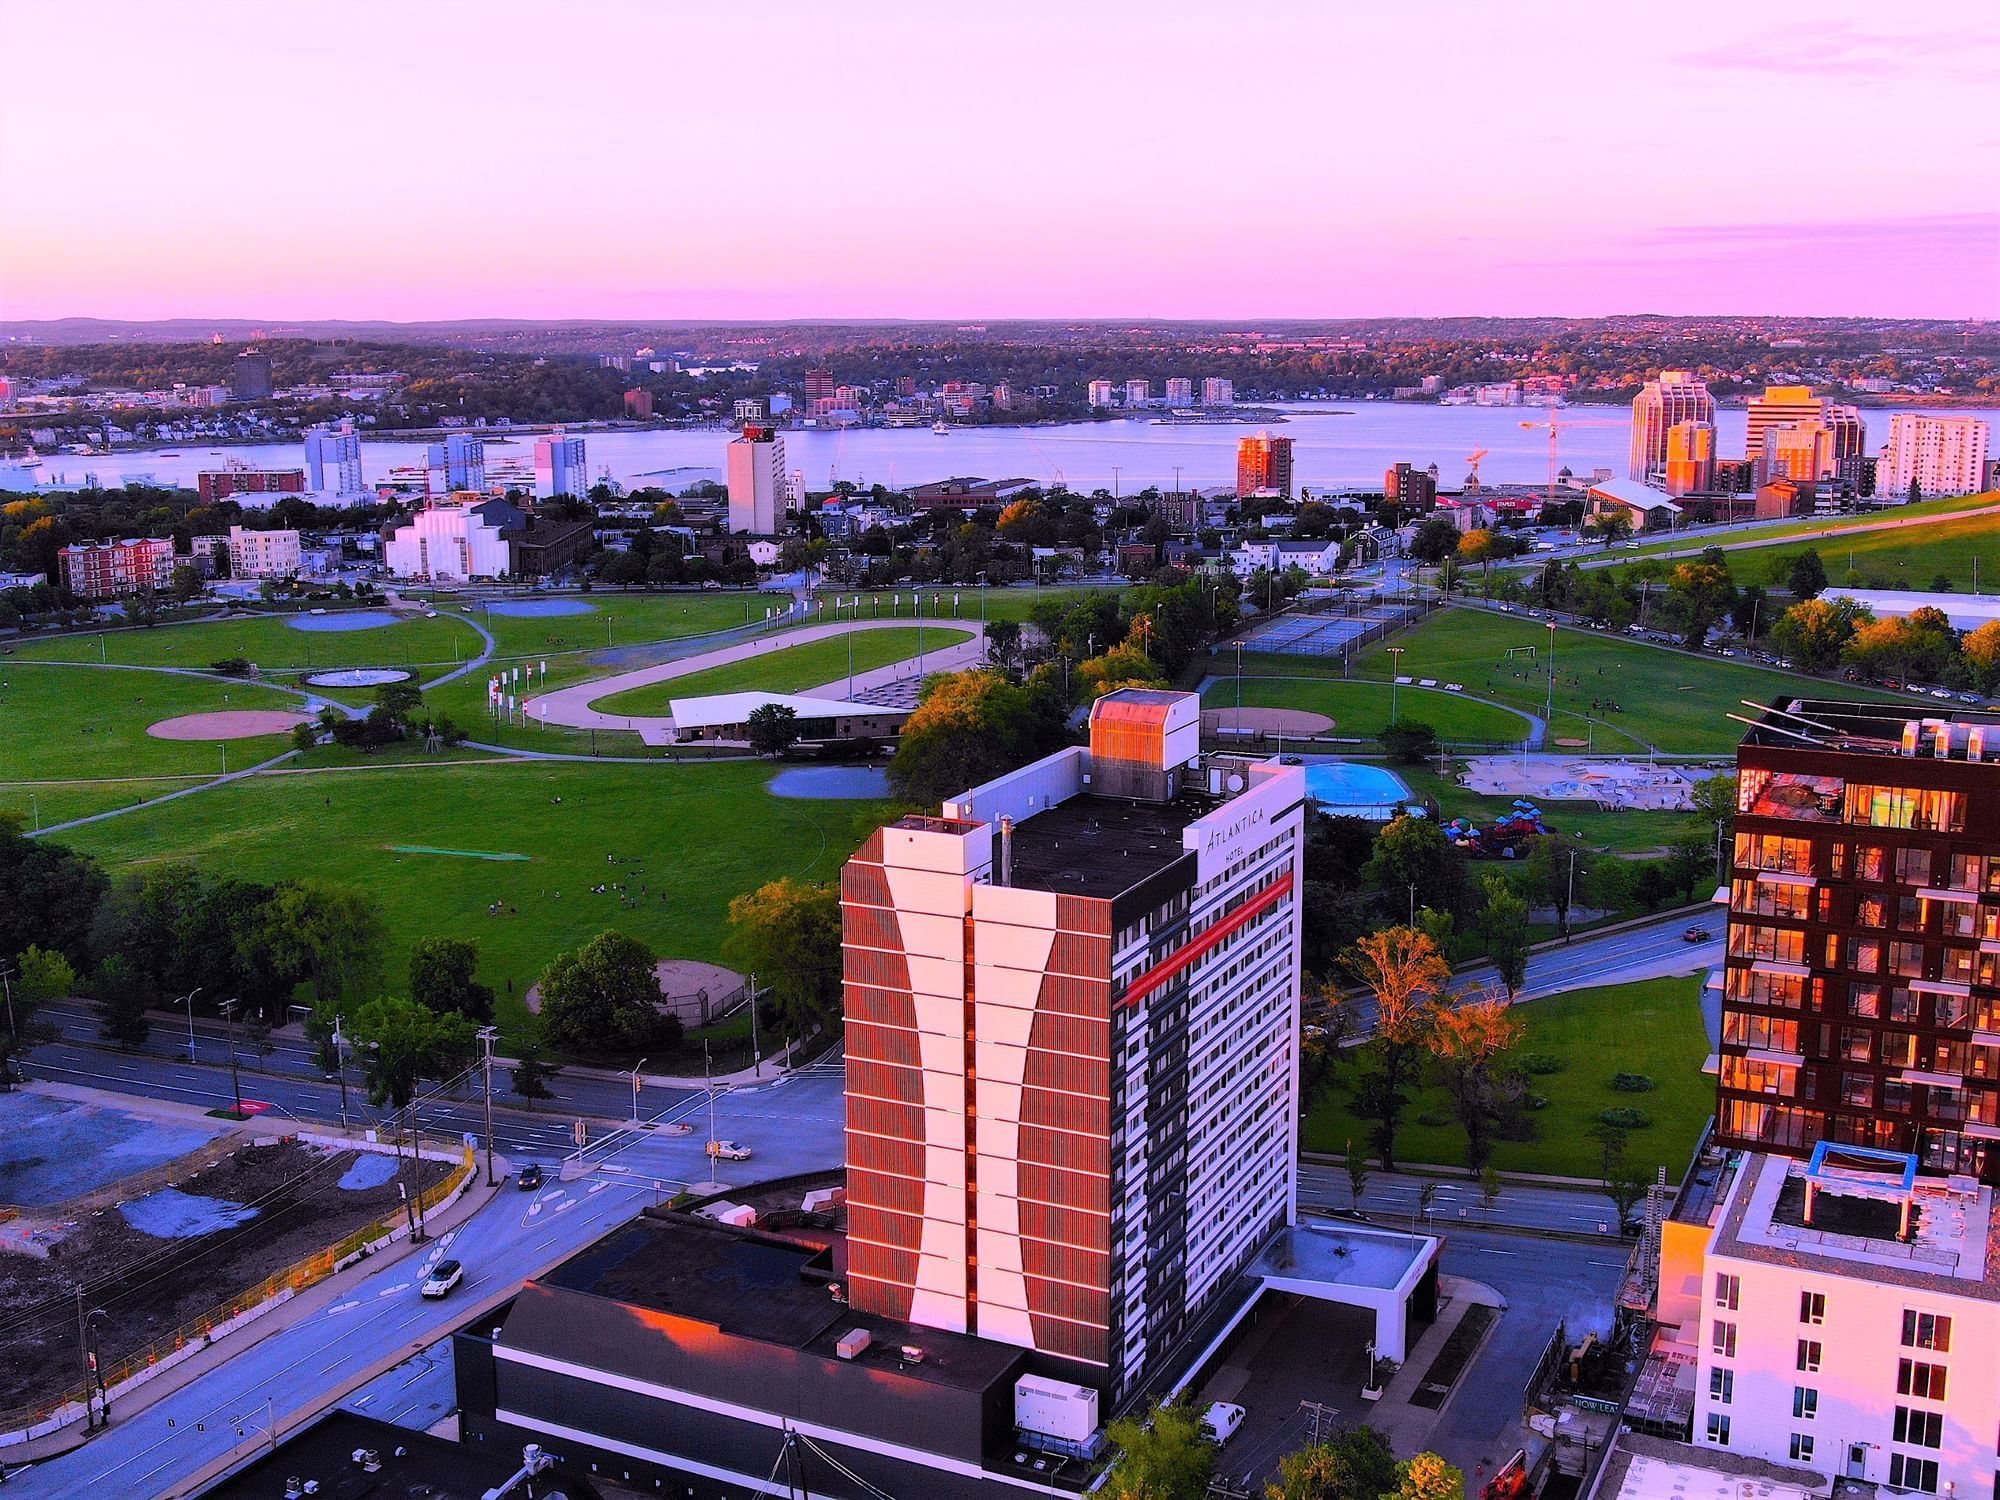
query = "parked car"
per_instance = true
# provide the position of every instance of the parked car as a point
(531, 1177)
(1220, 1421)
(445, 1275)
(1697, 935)
(1969, 698)
(729, 1151)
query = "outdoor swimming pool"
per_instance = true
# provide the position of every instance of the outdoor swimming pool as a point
(1352, 790)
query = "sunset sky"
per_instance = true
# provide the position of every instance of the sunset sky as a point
(416, 159)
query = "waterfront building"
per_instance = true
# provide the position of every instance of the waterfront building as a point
(1138, 392)
(1218, 390)
(263, 554)
(111, 570)
(819, 384)
(1939, 455)
(639, 404)
(1860, 1003)
(1101, 393)
(464, 462)
(221, 484)
(1072, 1009)
(1410, 488)
(758, 494)
(559, 466)
(333, 459)
(1677, 396)
(1180, 391)
(250, 376)
(1264, 466)
(455, 538)
(1779, 406)
(750, 411)
(1690, 458)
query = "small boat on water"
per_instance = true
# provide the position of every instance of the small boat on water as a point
(941, 428)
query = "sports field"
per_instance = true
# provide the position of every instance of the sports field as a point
(1653, 1027)
(1646, 696)
(683, 840)
(789, 669)
(1360, 710)
(76, 723)
(429, 645)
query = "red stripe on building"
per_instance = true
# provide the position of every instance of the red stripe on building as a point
(1220, 932)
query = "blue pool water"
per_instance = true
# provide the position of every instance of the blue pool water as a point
(352, 619)
(1353, 790)
(540, 609)
(830, 782)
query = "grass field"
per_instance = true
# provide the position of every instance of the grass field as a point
(76, 723)
(1653, 1027)
(694, 836)
(789, 669)
(1904, 559)
(943, 602)
(1670, 700)
(273, 645)
(1620, 831)
(1828, 527)
(619, 619)
(1361, 709)
(41, 804)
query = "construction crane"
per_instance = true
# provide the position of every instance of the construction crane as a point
(1555, 427)
(1472, 481)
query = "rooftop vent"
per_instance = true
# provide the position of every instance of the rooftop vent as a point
(913, 1353)
(853, 1342)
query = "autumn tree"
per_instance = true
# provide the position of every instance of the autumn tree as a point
(1469, 1041)
(1402, 968)
(972, 726)
(1354, 1464)
(1427, 1477)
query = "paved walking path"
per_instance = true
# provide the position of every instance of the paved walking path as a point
(570, 706)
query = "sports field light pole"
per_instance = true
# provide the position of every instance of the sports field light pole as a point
(486, 1036)
(1549, 712)
(187, 1000)
(1395, 671)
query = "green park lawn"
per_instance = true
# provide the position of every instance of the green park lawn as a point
(694, 835)
(1361, 710)
(1652, 1027)
(616, 618)
(1670, 700)
(1910, 558)
(72, 723)
(941, 602)
(41, 804)
(1618, 831)
(1827, 528)
(789, 669)
(414, 641)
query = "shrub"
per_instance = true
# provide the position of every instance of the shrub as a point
(1533, 1100)
(1541, 1062)
(1632, 1083)
(1433, 1118)
(1624, 1117)
(232, 666)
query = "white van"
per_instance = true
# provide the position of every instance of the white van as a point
(1220, 1421)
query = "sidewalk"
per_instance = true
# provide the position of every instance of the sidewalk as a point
(1409, 1427)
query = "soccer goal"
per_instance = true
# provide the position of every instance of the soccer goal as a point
(1527, 651)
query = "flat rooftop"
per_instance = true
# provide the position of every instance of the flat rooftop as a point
(1868, 728)
(1101, 846)
(1336, 1255)
(1653, 1468)
(756, 1286)
(408, 1463)
(1952, 1249)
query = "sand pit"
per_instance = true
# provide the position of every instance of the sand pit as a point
(229, 724)
(1290, 722)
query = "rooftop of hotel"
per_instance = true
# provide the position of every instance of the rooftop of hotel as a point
(1845, 1212)
(1873, 728)
(1101, 846)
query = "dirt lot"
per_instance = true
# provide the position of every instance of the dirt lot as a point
(205, 1249)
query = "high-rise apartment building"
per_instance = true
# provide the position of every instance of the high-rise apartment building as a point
(1218, 390)
(1180, 391)
(1101, 393)
(1264, 466)
(559, 466)
(1779, 406)
(1676, 397)
(250, 376)
(465, 462)
(819, 384)
(333, 459)
(1939, 455)
(221, 484)
(1690, 461)
(1138, 392)
(1409, 487)
(758, 494)
(1072, 1007)
(1861, 1000)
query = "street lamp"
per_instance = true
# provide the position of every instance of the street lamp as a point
(635, 1092)
(1549, 712)
(188, 1001)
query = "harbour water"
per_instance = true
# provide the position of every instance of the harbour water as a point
(1337, 446)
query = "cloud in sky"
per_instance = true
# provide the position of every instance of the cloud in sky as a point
(1839, 49)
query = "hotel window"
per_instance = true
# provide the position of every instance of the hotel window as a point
(1975, 872)
(1864, 955)
(1906, 1473)
(1899, 1049)
(1897, 1099)
(1907, 960)
(1903, 1006)
(1864, 1001)
(1771, 851)
(1916, 1377)
(1856, 1044)
(1871, 911)
(1922, 1330)
(1728, 1290)
(1920, 1429)
(1913, 866)
(1812, 1308)
(1718, 1429)
(1858, 861)
(1805, 1402)
(1802, 1447)
(1722, 1339)
(1787, 991)
(1809, 1358)
(1747, 940)
(1858, 1090)
(1721, 1385)
(1748, 1029)
(1752, 1075)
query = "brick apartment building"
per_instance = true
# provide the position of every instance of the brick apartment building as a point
(109, 570)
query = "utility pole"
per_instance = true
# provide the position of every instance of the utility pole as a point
(235, 1081)
(1321, 1417)
(13, 1031)
(339, 1067)
(486, 1035)
(756, 1051)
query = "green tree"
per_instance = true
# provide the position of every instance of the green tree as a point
(605, 997)
(532, 1072)
(329, 936)
(1813, 633)
(1609, 526)
(1503, 922)
(1409, 742)
(774, 728)
(1434, 540)
(42, 975)
(185, 583)
(444, 978)
(1556, 867)
(787, 932)
(123, 1000)
(973, 726)
(1165, 1457)
(1427, 1477)
(401, 1043)
(49, 894)
(1414, 852)
(1698, 594)
(142, 610)
(1357, 1173)
(1356, 1463)
(1807, 578)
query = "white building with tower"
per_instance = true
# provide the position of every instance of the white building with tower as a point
(458, 537)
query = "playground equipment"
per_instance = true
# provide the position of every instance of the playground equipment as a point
(1506, 838)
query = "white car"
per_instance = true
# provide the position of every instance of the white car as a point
(445, 1275)
(1944, 693)
(1220, 1421)
(728, 1151)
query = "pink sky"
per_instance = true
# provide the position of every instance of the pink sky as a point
(415, 159)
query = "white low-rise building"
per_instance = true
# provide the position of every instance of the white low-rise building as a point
(1843, 1316)
(263, 554)
(460, 536)
(1319, 557)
